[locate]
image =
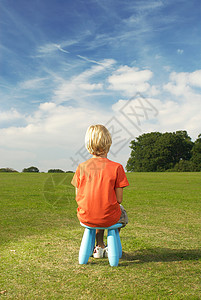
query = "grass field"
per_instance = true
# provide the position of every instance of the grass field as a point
(40, 238)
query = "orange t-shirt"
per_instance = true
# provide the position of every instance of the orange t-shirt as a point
(96, 180)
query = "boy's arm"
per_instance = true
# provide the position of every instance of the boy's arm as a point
(119, 194)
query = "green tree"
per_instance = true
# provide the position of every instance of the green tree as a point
(196, 154)
(55, 171)
(143, 153)
(9, 170)
(157, 151)
(30, 170)
(183, 166)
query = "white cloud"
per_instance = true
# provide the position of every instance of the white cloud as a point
(180, 116)
(91, 60)
(52, 47)
(162, 116)
(181, 84)
(48, 48)
(195, 78)
(144, 8)
(35, 83)
(180, 51)
(53, 134)
(79, 87)
(136, 112)
(9, 115)
(154, 90)
(47, 106)
(130, 80)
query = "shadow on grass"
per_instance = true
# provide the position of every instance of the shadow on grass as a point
(160, 255)
(153, 255)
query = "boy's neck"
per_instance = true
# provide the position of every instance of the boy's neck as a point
(102, 155)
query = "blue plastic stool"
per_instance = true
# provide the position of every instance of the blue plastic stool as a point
(113, 243)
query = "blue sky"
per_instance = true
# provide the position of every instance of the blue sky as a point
(67, 64)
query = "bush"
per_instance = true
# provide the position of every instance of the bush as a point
(184, 166)
(31, 170)
(10, 170)
(55, 171)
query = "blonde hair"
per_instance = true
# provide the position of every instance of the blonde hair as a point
(98, 140)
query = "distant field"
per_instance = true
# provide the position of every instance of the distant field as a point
(40, 238)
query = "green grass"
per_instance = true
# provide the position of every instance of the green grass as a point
(40, 238)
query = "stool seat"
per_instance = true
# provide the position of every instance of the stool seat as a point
(113, 242)
(115, 226)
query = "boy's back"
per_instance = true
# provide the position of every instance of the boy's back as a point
(96, 181)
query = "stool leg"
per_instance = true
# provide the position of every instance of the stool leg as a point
(119, 243)
(93, 242)
(113, 251)
(85, 247)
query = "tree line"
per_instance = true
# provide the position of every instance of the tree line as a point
(33, 169)
(170, 151)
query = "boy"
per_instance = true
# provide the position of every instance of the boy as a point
(99, 184)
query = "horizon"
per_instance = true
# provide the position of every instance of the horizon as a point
(61, 170)
(132, 66)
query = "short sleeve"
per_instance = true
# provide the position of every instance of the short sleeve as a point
(121, 179)
(76, 178)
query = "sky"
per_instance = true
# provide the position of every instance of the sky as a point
(133, 66)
